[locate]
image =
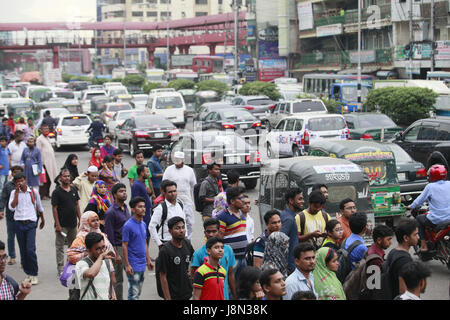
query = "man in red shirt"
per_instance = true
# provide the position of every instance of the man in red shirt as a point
(12, 123)
(382, 239)
(348, 207)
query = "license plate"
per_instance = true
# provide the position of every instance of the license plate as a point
(244, 126)
(234, 159)
(401, 176)
(159, 135)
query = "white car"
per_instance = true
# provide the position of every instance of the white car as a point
(9, 94)
(71, 130)
(120, 117)
(169, 105)
(86, 99)
(292, 135)
(96, 87)
(107, 85)
(139, 101)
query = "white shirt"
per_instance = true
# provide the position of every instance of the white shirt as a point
(250, 228)
(25, 209)
(172, 211)
(409, 296)
(185, 180)
(16, 152)
(101, 281)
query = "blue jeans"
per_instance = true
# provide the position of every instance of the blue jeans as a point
(11, 230)
(240, 264)
(26, 237)
(135, 285)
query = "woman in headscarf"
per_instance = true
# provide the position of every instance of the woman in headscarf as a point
(107, 173)
(71, 164)
(276, 253)
(100, 202)
(326, 283)
(89, 222)
(96, 158)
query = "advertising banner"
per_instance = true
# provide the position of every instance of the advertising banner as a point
(329, 30)
(305, 16)
(270, 69)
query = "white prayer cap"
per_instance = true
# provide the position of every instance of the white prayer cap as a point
(178, 155)
(92, 169)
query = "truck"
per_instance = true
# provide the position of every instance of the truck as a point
(442, 104)
(154, 75)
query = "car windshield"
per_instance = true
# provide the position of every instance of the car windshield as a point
(117, 107)
(118, 92)
(7, 95)
(89, 96)
(65, 94)
(400, 154)
(238, 115)
(326, 124)
(259, 102)
(308, 106)
(375, 121)
(171, 102)
(350, 93)
(189, 98)
(152, 122)
(75, 121)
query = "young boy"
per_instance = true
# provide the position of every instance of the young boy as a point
(209, 278)
(118, 167)
(382, 239)
(415, 275)
(135, 250)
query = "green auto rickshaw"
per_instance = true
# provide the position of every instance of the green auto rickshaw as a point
(202, 97)
(378, 162)
(343, 178)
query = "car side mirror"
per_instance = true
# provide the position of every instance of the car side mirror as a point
(399, 135)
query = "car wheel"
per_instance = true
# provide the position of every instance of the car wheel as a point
(250, 184)
(270, 154)
(131, 148)
(296, 151)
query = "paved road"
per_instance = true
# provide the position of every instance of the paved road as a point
(49, 287)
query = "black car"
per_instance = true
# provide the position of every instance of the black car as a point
(257, 105)
(366, 125)
(141, 132)
(411, 174)
(427, 141)
(228, 149)
(240, 121)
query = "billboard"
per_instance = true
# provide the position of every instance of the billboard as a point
(270, 69)
(305, 16)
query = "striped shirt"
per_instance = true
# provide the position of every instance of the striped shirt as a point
(210, 281)
(235, 231)
(6, 290)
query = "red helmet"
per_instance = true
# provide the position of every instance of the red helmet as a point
(437, 172)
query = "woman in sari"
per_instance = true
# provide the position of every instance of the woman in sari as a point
(276, 253)
(96, 158)
(107, 173)
(100, 202)
(326, 283)
(89, 222)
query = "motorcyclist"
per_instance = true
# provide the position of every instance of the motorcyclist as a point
(49, 120)
(437, 193)
(96, 130)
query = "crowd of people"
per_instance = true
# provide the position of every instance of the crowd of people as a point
(303, 253)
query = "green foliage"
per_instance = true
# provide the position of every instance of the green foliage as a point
(133, 80)
(100, 81)
(142, 67)
(116, 80)
(403, 105)
(213, 85)
(181, 84)
(260, 88)
(331, 104)
(305, 95)
(150, 86)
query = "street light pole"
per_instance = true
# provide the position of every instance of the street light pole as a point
(236, 21)
(359, 52)
(124, 45)
(167, 37)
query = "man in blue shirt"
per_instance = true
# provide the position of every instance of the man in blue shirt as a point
(135, 249)
(139, 190)
(4, 161)
(211, 227)
(156, 169)
(97, 128)
(358, 223)
(437, 193)
(295, 201)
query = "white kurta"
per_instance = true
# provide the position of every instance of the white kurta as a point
(48, 156)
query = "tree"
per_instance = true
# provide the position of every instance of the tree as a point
(260, 88)
(133, 80)
(403, 105)
(150, 86)
(181, 84)
(213, 85)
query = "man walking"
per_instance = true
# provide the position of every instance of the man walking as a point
(116, 216)
(415, 275)
(173, 262)
(31, 162)
(27, 207)
(84, 185)
(16, 148)
(184, 177)
(135, 249)
(118, 167)
(139, 190)
(66, 210)
(155, 169)
(4, 162)
(209, 189)
(48, 160)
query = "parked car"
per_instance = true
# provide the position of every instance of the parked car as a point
(411, 174)
(257, 105)
(87, 97)
(141, 132)
(139, 101)
(9, 94)
(369, 126)
(291, 108)
(228, 149)
(111, 109)
(120, 118)
(71, 130)
(427, 141)
(293, 135)
(169, 105)
(98, 104)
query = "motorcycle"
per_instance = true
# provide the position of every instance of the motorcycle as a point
(95, 142)
(52, 137)
(438, 241)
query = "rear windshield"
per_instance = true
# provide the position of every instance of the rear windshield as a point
(168, 102)
(237, 115)
(326, 124)
(90, 95)
(118, 107)
(75, 121)
(150, 122)
(400, 154)
(308, 106)
(376, 121)
(259, 102)
(65, 94)
(118, 92)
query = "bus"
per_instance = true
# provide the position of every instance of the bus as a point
(320, 83)
(207, 64)
(438, 75)
(222, 77)
(185, 74)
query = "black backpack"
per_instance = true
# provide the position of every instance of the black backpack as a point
(199, 205)
(74, 294)
(386, 290)
(344, 260)
(249, 251)
(164, 215)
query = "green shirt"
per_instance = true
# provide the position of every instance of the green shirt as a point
(132, 174)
